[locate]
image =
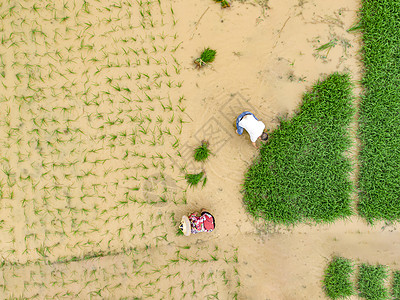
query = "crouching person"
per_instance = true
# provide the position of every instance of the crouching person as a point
(196, 223)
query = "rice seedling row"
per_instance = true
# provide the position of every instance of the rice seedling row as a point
(379, 130)
(141, 272)
(372, 281)
(302, 173)
(337, 280)
(396, 285)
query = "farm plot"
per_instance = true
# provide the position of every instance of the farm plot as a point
(373, 281)
(337, 281)
(379, 110)
(396, 285)
(91, 112)
(302, 173)
(148, 272)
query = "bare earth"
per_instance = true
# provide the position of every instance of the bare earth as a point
(266, 59)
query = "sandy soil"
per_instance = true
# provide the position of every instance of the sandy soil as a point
(266, 59)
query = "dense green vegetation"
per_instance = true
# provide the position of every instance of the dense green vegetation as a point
(396, 285)
(371, 282)
(337, 281)
(302, 173)
(379, 112)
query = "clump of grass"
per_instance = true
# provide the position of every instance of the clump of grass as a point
(337, 283)
(396, 285)
(194, 179)
(207, 56)
(202, 152)
(371, 282)
(302, 173)
(379, 109)
(224, 3)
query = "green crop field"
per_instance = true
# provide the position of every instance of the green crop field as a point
(302, 173)
(379, 112)
(396, 285)
(371, 282)
(337, 281)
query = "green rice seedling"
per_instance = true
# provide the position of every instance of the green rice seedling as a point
(224, 3)
(207, 56)
(371, 282)
(274, 187)
(396, 285)
(355, 27)
(328, 46)
(337, 280)
(194, 179)
(379, 177)
(202, 152)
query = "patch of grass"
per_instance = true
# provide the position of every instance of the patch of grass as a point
(207, 56)
(337, 283)
(371, 282)
(396, 285)
(379, 128)
(302, 173)
(194, 179)
(202, 152)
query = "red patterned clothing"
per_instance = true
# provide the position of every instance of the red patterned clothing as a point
(204, 223)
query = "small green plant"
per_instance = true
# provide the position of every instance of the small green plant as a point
(207, 56)
(337, 283)
(202, 152)
(328, 45)
(371, 282)
(224, 3)
(396, 285)
(194, 179)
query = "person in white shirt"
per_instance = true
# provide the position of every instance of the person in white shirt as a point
(255, 128)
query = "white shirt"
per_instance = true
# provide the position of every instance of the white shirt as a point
(253, 127)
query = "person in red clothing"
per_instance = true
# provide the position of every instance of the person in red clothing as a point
(196, 223)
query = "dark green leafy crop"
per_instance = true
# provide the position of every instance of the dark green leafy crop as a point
(379, 128)
(396, 285)
(302, 173)
(371, 282)
(337, 281)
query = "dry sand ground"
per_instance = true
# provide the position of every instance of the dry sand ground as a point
(266, 59)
